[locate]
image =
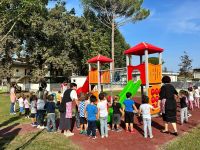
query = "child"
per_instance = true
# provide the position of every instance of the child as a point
(82, 107)
(103, 114)
(26, 105)
(21, 104)
(191, 98)
(50, 107)
(59, 98)
(183, 102)
(129, 107)
(91, 113)
(117, 111)
(145, 110)
(196, 96)
(33, 102)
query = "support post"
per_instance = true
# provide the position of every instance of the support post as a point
(160, 61)
(90, 88)
(142, 88)
(147, 71)
(130, 59)
(99, 77)
(127, 64)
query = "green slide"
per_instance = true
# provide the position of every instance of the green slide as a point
(130, 87)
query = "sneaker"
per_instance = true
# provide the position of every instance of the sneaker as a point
(68, 134)
(113, 129)
(118, 130)
(94, 137)
(151, 137)
(38, 126)
(133, 131)
(81, 132)
(106, 136)
(42, 127)
(85, 132)
(189, 115)
(102, 136)
(145, 137)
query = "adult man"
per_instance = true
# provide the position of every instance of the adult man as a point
(69, 97)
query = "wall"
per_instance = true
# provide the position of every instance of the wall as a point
(197, 75)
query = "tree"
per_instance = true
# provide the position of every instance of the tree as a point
(155, 60)
(116, 13)
(17, 21)
(185, 66)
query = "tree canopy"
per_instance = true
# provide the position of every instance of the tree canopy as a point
(52, 39)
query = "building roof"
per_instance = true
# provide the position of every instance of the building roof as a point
(100, 58)
(141, 47)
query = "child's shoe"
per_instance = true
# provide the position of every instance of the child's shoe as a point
(81, 132)
(94, 137)
(151, 137)
(133, 131)
(118, 130)
(127, 130)
(106, 136)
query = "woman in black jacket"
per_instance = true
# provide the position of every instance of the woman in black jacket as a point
(168, 95)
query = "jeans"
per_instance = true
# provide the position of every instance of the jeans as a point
(51, 117)
(91, 128)
(147, 124)
(184, 114)
(104, 126)
(12, 107)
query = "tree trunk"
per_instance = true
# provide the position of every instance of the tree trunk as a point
(113, 45)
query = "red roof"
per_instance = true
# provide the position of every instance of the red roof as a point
(141, 47)
(101, 59)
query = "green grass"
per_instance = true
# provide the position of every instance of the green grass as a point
(40, 140)
(5, 118)
(189, 141)
(29, 141)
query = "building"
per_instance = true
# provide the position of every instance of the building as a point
(196, 73)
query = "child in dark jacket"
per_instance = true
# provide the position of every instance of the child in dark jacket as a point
(50, 107)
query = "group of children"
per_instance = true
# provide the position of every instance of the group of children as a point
(187, 101)
(90, 111)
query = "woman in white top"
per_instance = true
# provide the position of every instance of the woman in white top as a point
(191, 98)
(196, 96)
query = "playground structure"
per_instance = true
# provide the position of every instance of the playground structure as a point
(150, 74)
(97, 77)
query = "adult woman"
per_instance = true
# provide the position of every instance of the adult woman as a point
(168, 95)
(69, 97)
(12, 99)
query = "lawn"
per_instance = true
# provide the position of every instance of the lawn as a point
(189, 141)
(12, 140)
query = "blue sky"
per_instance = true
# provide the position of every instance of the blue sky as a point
(173, 25)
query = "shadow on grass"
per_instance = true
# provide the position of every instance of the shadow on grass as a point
(29, 141)
(10, 120)
(6, 135)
